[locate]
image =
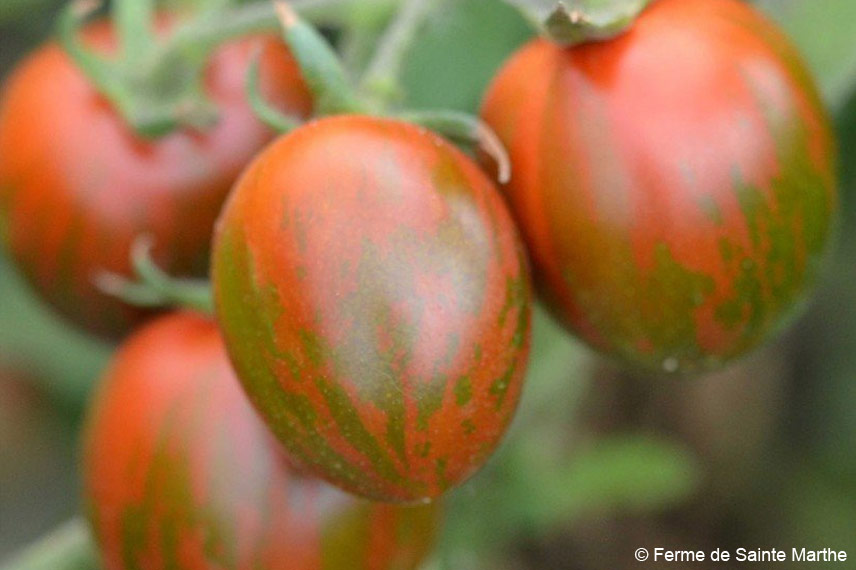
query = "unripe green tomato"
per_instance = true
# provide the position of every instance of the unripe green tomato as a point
(676, 186)
(180, 473)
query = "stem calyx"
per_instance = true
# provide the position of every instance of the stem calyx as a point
(573, 22)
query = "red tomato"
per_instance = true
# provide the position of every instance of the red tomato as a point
(76, 186)
(180, 473)
(375, 299)
(676, 186)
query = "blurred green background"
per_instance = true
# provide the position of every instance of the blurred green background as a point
(598, 462)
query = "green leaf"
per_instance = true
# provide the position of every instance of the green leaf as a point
(824, 32)
(817, 507)
(557, 375)
(458, 53)
(846, 126)
(630, 473)
(69, 547)
(64, 362)
(829, 358)
(12, 9)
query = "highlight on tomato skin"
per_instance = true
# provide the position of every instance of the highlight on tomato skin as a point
(375, 300)
(676, 186)
(77, 186)
(179, 472)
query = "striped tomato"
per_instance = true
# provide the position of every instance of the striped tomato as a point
(76, 186)
(374, 297)
(676, 186)
(179, 472)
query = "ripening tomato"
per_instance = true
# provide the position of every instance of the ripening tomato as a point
(676, 185)
(375, 301)
(179, 472)
(77, 186)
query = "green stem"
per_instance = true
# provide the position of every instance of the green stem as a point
(465, 128)
(269, 115)
(156, 289)
(204, 34)
(319, 64)
(69, 547)
(102, 73)
(157, 86)
(342, 13)
(358, 43)
(134, 20)
(381, 80)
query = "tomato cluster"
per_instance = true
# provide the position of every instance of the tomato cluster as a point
(674, 188)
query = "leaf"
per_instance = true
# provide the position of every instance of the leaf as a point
(69, 547)
(817, 507)
(459, 51)
(628, 473)
(828, 357)
(12, 9)
(824, 32)
(557, 375)
(64, 362)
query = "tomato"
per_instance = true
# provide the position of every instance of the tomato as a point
(374, 297)
(179, 472)
(77, 186)
(675, 186)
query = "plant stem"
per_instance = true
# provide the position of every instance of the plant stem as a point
(319, 64)
(342, 12)
(272, 117)
(381, 79)
(158, 86)
(204, 34)
(100, 72)
(256, 18)
(359, 40)
(69, 547)
(134, 20)
(154, 287)
(464, 128)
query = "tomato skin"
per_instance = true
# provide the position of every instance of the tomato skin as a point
(77, 186)
(179, 472)
(374, 297)
(675, 186)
